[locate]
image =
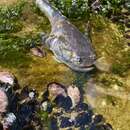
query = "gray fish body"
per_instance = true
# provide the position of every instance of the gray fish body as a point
(67, 43)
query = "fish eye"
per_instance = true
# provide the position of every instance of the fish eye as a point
(77, 59)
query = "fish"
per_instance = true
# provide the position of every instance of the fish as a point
(68, 44)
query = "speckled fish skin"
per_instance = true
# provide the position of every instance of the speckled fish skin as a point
(67, 43)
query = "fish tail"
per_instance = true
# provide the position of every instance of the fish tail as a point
(51, 13)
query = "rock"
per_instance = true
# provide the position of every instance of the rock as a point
(82, 128)
(65, 122)
(37, 51)
(74, 93)
(7, 77)
(101, 127)
(46, 106)
(3, 101)
(103, 64)
(82, 107)
(27, 93)
(83, 119)
(56, 89)
(9, 120)
(53, 124)
(64, 102)
(73, 116)
(98, 119)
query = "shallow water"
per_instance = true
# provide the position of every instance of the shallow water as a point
(108, 42)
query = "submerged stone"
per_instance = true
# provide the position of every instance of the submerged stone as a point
(101, 127)
(53, 124)
(46, 106)
(64, 102)
(36, 51)
(82, 107)
(98, 119)
(7, 77)
(65, 122)
(56, 89)
(83, 119)
(3, 101)
(74, 93)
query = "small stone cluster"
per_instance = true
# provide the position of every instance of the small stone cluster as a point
(20, 108)
(69, 112)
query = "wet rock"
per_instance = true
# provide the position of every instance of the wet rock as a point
(28, 94)
(82, 107)
(53, 124)
(29, 127)
(37, 51)
(83, 119)
(46, 106)
(64, 102)
(82, 128)
(103, 64)
(24, 92)
(56, 89)
(98, 119)
(73, 116)
(101, 127)
(65, 122)
(9, 120)
(74, 93)
(1, 126)
(7, 77)
(70, 129)
(3, 101)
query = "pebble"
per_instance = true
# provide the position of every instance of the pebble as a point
(74, 93)
(7, 77)
(98, 119)
(56, 89)
(37, 51)
(101, 127)
(65, 122)
(53, 124)
(82, 107)
(3, 101)
(64, 102)
(83, 119)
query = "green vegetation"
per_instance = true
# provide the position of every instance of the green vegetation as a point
(10, 18)
(72, 8)
(12, 46)
(77, 9)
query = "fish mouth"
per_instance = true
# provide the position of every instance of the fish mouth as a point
(78, 68)
(81, 68)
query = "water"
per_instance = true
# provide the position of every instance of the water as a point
(38, 72)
